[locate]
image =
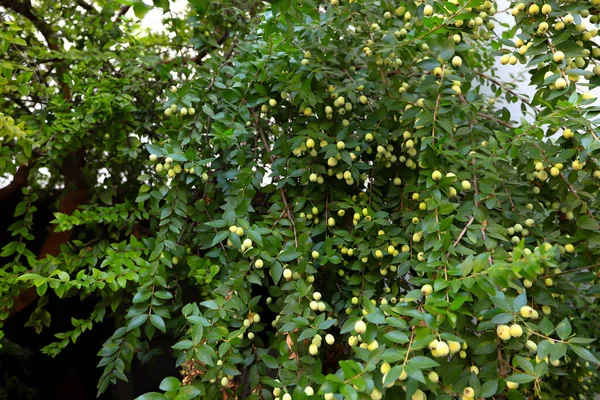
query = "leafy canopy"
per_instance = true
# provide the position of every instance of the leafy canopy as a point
(330, 197)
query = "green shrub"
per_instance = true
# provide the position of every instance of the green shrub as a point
(341, 199)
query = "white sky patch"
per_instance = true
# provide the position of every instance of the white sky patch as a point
(152, 21)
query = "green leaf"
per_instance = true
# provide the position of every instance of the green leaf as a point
(158, 322)
(584, 353)
(219, 237)
(151, 396)
(349, 392)
(136, 321)
(140, 9)
(270, 362)
(502, 318)
(153, 149)
(422, 362)
(289, 255)
(397, 337)
(170, 384)
(188, 392)
(563, 329)
(183, 345)
(520, 378)
(489, 388)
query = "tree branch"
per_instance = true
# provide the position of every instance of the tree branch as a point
(84, 5)
(25, 9)
(283, 196)
(204, 52)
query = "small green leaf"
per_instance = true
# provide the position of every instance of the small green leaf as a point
(584, 353)
(137, 321)
(563, 329)
(158, 322)
(270, 362)
(520, 378)
(170, 384)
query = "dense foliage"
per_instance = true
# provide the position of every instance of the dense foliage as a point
(312, 199)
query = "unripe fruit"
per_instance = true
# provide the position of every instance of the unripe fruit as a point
(173, 89)
(526, 311)
(168, 112)
(474, 370)
(569, 248)
(360, 327)
(313, 349)
(428, 10)
(587, 96)
(546, 9)
(531, 345)
(224, 381)
(469, 393)
(287, 273)
(546, 310)
(436, 175)
(376, 394)
(433, 377)
(516, 331)
(466, 185)
(453, 346)
(419, 395)
(503, 332)
(560, 83)
(512, 385)
(456, 62)
(426, 290)
(442, 349)
(559, 56)
(288, 396)
(329, 339)
(374, 345)
(534, 9)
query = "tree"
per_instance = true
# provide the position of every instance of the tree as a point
(312, 198)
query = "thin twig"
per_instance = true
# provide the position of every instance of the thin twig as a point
(437, 105)
(521, 97)
(283, 196)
